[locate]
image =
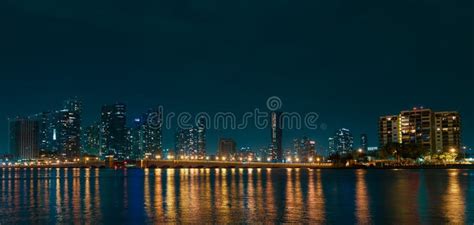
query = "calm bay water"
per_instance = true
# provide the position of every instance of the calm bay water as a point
(83, 196)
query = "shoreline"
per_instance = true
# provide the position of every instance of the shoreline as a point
(276, 166)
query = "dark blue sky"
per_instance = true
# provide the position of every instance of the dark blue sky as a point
(349, 61)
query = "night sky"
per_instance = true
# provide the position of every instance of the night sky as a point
(349, 61)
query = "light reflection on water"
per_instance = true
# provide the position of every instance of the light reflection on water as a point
(235, 196)
(454, 202)
(362, 211)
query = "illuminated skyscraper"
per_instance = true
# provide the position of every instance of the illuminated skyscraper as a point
(305, 149)
(186, 143)
(137, 139)
(416, 128)
(276, 137)
(389, 130)
(332, 146)
(45, 131)
(60, 131)
(146, 135)
(201, 129)
(24, 138)
(113, 131)
(153, 132)
(343, 141)
(448, 131)
(191, 142)
(227, 148)
(91, 139)
(433, 131)
(66, 133)
(364, 142)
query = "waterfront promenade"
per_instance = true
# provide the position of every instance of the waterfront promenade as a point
(171, 164)
(226, 164)
(232, 164)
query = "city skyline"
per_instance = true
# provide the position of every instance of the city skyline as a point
(348, 64)
(132, 123)
(217, 112)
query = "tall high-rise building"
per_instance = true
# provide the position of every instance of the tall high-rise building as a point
(91, 139)
(305, 149)
(45, 131)
(364, 142)
(310, 150)
(146, 135)
(343, 141)
(201, 129)
(227, 148)
(137, 139)
(389, 130)
(24, 138)
(114, 131)
(433, 131)
(276, 153)
(153, 132)
(331, 146)
(417, 128)
(191, 142)
(448, 131)
(60, 131)
(186, 145)
(128, 144)
(66, 137)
